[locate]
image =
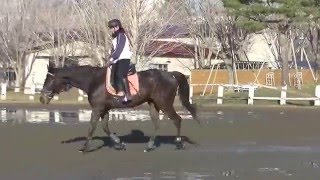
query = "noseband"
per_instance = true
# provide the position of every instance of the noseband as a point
(49, 94)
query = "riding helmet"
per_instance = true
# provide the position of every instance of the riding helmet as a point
(114, 23)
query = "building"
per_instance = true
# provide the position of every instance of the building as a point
(78, 53)
(165, 53)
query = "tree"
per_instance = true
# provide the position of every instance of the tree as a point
(60, 29)
(145, 21)
(141, 19)
(212, 28)
(280, 15)
(312, 34)
(199, 21)
(18, 28)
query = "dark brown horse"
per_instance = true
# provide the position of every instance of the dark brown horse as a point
(157, 88)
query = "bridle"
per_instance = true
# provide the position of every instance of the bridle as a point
(50, 94)
(47, 93)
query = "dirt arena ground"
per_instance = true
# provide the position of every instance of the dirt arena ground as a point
(244, 142)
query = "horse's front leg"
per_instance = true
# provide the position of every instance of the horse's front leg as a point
(115, 140)
(95, 116)
(154, 114)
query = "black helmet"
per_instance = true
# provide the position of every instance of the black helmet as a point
(114, 23)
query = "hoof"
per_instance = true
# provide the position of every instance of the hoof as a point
(150, 146)
(180, 146)
(120, 146)
(83, 150)
(148, 149)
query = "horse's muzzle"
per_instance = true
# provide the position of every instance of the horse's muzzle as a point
(45, 99)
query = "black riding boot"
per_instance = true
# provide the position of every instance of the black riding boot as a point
(118, 85)
(127, 93)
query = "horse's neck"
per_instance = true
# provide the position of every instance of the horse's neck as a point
(81, 80)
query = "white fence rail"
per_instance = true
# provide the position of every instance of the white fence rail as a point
(250, 88)
(251, 94)
(283, 97)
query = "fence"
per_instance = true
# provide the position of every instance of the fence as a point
(246, 77)
(32, 93)
(251, 97)
(250, 88)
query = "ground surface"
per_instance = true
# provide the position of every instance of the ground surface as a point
(242, 142)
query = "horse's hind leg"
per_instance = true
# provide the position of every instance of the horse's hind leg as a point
(105, 126)
(154, 114)
(172, 114)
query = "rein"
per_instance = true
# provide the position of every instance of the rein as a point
(49, 73)
(49, 94)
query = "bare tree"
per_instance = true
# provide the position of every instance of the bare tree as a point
(93, 17)
(212, 28)
(17, 35)
(62, 33)
(198, 30)
(313, 36)
(141, 18)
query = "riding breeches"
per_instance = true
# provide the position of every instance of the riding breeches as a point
(119, 72)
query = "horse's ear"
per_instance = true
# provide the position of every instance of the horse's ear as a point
(50, 67)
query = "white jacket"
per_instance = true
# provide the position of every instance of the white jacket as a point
(121, 46)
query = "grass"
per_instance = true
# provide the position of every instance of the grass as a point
(230, 97)
(238, 98)
(64, 98)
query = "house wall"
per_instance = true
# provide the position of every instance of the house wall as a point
(258, 50)
(36, 68)
(36, 72)
(183, 65)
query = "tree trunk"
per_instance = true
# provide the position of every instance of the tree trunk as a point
(285, 55)
(208, 63)
(230, 70)
(20, 78)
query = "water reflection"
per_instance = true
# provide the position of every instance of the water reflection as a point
(71, 117)
(171, 175)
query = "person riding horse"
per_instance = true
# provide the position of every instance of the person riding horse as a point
(120, 58)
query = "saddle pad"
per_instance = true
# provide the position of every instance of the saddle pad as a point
(133, 83)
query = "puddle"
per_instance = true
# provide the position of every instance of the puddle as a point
(229, 173)
(274, 170)
(73, 117)
(312, 164)
(169, 175)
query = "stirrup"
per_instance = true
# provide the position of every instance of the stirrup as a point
(127, 98)
(120, 93)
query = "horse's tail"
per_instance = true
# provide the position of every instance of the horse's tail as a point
(184, 92)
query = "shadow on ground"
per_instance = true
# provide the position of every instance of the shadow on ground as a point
(136, 136)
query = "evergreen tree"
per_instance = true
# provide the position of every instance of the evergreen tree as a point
(280, 15)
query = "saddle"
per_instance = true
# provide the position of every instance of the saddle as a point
(132, 78)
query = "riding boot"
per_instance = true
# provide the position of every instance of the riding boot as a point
(113, 77)
(118, 85)
(128, 96)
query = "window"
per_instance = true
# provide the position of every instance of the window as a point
(163, 67)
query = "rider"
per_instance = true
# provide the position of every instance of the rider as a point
(120, 56)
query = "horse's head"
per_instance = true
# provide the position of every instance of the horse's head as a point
(53, 84)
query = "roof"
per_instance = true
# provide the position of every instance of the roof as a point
(305, 64)
(169, 49)
(174, 31)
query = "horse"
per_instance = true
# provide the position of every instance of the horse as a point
(157, 88)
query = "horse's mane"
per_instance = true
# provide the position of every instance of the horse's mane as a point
(79, 69)
(85, 67)
(86, 70)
